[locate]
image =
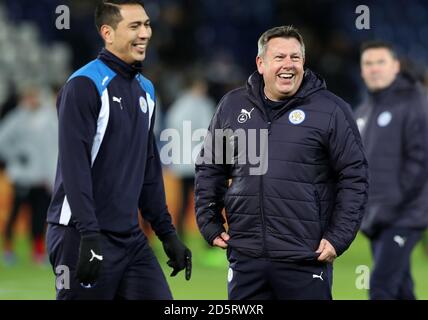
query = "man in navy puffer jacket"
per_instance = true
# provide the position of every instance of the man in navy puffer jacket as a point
(394, 127)
(294, 211)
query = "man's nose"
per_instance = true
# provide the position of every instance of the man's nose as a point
(287, 63)
(374, 70)
(145, 32)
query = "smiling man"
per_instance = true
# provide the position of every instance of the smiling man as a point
(109, 168)
(282, 70)
(287, 225)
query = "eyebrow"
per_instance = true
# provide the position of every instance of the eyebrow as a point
(285, 54)
(374, 60)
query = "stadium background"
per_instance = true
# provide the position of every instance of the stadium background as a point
(219, 39)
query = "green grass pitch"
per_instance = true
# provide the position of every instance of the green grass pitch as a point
(28, 281)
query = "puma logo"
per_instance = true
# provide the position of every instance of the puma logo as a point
(118, 100)
(248, 113)
(401, 241)
(95, 256)
(314, 276)
(244, 115)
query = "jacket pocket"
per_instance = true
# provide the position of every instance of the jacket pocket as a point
(318, 203)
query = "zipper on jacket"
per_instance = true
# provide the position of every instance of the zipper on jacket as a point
(369, 124)
(269, 120)
(287, 107)
(261, 196)
(262, 212)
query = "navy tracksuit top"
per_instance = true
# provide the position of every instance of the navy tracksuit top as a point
(316, 181)
(108, 164)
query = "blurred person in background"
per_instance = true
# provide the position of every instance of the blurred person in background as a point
(394, 127)
(193, 108)
(109, 169)
(29, 149)
(288, 222)
(10, 101)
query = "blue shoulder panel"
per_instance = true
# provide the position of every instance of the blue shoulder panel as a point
(98, 72)
(147, 85)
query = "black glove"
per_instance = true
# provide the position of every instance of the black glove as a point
(90, 259)
(180, 257)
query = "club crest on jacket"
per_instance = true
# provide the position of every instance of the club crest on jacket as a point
(143, 104)
(384, 119)
(296, 116)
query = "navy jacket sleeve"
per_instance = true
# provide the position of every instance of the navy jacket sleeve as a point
(152, 201)
(211, 182)
(350, 165)
(78, 107)
(414, 171)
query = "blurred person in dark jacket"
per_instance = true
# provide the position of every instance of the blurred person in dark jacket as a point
(394, 128)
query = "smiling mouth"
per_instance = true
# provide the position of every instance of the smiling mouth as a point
(140, 46)
(286, 76)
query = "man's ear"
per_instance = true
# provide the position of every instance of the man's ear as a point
(107, 33)
(260, 64)
(397, 66)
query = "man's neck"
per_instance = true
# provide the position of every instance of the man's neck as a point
(269, 97)
(119, 56)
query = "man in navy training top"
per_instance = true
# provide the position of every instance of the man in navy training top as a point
(394, 126)
(287, 223)
(108, 168)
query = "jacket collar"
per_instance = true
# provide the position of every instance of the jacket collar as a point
(311, 83)
(118, 65)
(402, 82)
